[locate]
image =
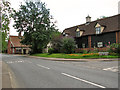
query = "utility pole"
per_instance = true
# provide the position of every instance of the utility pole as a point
(0, 27)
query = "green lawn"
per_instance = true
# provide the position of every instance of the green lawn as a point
(73, 56)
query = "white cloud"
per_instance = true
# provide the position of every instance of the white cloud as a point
(69, 13)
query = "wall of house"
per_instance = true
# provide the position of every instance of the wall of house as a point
(9, 50)
(118, 37)
(94, 39)
(105, 38)
(8, 47)
(81, 40)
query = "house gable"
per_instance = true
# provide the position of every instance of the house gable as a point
(101, 27)
(79, 32)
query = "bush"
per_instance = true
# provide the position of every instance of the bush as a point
(114, 48)
(57, 43)
(68, 45)
(50, 50)
(84, 51)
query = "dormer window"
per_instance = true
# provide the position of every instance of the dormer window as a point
(77, 33)
(98, 30)
(66, 35)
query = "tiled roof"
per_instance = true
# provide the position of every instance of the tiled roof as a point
(110, 23)
(15, 40)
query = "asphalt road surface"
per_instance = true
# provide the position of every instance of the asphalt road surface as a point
(29, 72)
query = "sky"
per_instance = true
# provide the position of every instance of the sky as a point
(70, 13)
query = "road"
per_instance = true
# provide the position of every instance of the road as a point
(27, 72)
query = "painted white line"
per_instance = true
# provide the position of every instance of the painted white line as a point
(43, 66)
(29, 62)
(11, 79)
(114, 69)
(83, 80)
(10, 62)
(20, 61)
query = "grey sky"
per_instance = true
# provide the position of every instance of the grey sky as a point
(69, 13)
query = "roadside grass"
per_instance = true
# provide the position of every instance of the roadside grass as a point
(74, 56)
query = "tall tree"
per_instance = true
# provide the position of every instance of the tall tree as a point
(6, 13)
(34, 20)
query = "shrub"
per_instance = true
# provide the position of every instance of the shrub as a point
(68, 45)
(50, 50)
(57, 43)
(85, 51)
(114, 48)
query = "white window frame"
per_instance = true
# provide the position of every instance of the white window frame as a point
(66, 35)
(98, 30)
(83, 45)
(77, 33)
(76, 45)
(100, 44)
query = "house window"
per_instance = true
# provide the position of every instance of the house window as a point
(63, 34)
(66, 35)
(83, 45)
(76, 45)
(98, 30)
(18, 50)
(100, 44)
(78, 34)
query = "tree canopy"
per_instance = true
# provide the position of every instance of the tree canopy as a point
(35, 21)
(5, 16)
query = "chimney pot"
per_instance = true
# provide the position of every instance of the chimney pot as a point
(88, 19)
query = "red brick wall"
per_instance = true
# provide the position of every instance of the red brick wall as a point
(116, 37)
(8, 49)
(77, 50)
(119, 37)
(89, 41)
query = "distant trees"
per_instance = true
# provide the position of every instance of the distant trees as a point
(101, 17)
(6, 15)
(35, 21)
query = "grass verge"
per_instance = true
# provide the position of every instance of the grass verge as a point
(74, 56)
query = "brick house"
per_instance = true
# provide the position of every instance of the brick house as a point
(95, 34)
(15, 47)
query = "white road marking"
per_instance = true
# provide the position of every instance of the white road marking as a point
(15, 62)
(11, 79)
(113, 69)
(84, 80)
(43, 66)
(29, 62)
(10, 62)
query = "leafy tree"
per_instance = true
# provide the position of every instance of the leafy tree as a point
(68, 45)
(35, 21)
(5, 14)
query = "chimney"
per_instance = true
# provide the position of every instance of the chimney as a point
(88, 19)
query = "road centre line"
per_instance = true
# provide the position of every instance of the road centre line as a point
(43, 66)
(83, 80)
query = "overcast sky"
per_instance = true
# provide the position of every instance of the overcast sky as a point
(69, 13)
